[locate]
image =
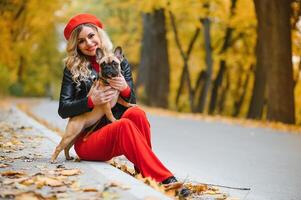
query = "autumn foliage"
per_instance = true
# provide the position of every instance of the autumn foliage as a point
(212, 61)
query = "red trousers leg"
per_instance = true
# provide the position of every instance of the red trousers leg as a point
(123, 137)
(138, 116)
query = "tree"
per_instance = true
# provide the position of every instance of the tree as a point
(274, 37)
(222, 66)
(259, 86)
(26, 27)
(153, 72)
(208, 59)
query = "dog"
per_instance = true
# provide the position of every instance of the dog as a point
(110, 67)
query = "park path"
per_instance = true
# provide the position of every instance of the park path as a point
(265, 160)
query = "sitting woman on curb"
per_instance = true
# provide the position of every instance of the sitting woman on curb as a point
(130, 134)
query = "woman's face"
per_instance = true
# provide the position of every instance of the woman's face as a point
(88, 41)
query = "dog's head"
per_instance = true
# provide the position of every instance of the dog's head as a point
(109, 62)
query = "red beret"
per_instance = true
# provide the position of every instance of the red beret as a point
(78, 20)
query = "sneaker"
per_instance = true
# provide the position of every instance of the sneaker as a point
(183, 192)
(169, 180)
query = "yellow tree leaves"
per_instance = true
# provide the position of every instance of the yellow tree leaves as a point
(25, 26)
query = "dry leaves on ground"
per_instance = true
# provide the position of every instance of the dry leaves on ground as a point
(19, 180)
(199, 191)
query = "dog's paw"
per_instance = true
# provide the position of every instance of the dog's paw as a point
(77, 159)
(53, 161)
(69, 158)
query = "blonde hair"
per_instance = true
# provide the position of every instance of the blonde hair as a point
(77, 62)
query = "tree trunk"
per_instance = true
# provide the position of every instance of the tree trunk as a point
(20, 70)
(223, 94)
(146, 47)
(216, 84)
(240, 100)
(209, 64)
(259, 87)
(219, 79)
(154, 67)
(274, 20)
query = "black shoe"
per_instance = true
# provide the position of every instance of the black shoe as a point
(137, 171)
(169, 180)
(183, 192)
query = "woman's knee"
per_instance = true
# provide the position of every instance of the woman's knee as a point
(126, 126)
(134, 112)
(124, 123)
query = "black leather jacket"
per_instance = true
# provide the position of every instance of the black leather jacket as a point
(74, 101)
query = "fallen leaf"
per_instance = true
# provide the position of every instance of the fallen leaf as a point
(214, 189)
(131, 171)
(41, 181)
(27, 182)
(12, 174)
(232, 198)
(25, 128)
(61, 178)
(197, 188)
(124, 168)
(109, 195)
(4, 165)
(119, 185)
(16, 142)
(90, 190)
(8, 144)
(6, 159)
(8, 151)
(2, 158)
(173, 186)
(70, 172)
(63, 196)
(13, 180)
(75, 186)
(8, 194)
(210, 192)
(139, 177)
(60, 166)
(29, 196)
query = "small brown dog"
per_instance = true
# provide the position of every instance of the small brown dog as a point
(110, 67)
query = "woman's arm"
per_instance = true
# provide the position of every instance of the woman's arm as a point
(127, 73)
(68, 105)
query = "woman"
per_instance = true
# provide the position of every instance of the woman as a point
(130, 135)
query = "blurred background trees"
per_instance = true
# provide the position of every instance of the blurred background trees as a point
(29, 47)
(237, 58)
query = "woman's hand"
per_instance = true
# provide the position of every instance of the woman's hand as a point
(118, 83)
(102, 95)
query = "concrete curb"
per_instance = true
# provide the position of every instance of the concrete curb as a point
(137, 189)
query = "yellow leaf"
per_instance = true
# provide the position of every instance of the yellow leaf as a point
(29, 196)
(12, 174)
(27, 182)
(4, 165)
(210, 192)
(90, 190)
(173, 186)
(52, 182)
(70, 172)
(119, 185)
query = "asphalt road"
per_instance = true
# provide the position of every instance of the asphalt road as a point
(265, 160)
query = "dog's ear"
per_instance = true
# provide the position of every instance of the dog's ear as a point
(118, 53)
(99, 54)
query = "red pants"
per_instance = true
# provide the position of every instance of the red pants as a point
(129, 136)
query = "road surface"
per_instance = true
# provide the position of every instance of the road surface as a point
(265, 160)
